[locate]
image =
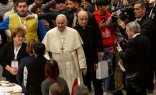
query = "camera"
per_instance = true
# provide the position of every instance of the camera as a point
(126, 12)
(122, 42)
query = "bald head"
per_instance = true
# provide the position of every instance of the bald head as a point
(82, 13)
(82, 18)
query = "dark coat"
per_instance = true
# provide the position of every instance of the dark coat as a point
(137, 58)
(90, 36)
(7, 54)
(153, 15)
(36, 75)
(19, 75)
(146, 26)
(148, 29)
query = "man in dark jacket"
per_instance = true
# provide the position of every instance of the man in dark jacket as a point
(137, 61)
(90, 46)
(147, 29)
(34, 71)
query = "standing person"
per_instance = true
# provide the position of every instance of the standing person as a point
(52, 76)
(34, 28)
(137, 60)
(74, 7)
(108, 37)
(34, 70)
(29, 49)
(6, 15)
(65, 45)
(147, 29)
(90, 46)
(36, 2)
(12, 52)
(5, 6)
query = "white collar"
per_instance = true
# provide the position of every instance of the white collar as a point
(135, 35)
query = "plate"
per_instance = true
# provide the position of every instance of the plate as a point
(4, 81)
(15, 93)
(9, 84)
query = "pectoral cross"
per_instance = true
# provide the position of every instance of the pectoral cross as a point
(62, 49)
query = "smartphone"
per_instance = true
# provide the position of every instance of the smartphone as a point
(103, 20)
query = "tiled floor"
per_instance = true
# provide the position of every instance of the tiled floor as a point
(124, 92)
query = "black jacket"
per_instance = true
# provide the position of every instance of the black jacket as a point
(137, 59)
(147, 27)
(89, 37)
(7, 54)
(36, 75)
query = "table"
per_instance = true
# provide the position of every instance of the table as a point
(13, 89)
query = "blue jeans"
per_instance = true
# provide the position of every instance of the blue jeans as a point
(109, 58)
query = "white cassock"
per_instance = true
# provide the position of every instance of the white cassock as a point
(66, 48)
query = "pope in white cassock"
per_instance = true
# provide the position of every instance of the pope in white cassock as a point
(65, 44)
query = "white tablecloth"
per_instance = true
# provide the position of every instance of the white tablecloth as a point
(5, 90)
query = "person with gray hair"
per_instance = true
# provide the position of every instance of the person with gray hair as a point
(134, 26)
(136, 59)
(65, 45)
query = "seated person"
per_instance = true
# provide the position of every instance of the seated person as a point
(52, 76)
(81, 90)
(11, 53)
(56, 89)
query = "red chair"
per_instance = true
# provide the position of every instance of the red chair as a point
(75, 83)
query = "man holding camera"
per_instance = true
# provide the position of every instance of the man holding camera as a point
(147, 29)
(137, 60)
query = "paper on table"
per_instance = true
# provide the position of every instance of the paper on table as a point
(121, 66)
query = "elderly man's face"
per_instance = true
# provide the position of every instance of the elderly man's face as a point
(83, 19)
(129, 33)
(61, 23)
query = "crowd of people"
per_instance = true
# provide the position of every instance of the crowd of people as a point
(46, 44)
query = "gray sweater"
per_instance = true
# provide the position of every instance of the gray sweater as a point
(46, 84)
(5, 8)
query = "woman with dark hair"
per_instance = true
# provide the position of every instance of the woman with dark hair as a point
(5, 7)
(52, 76)
(29, 49)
